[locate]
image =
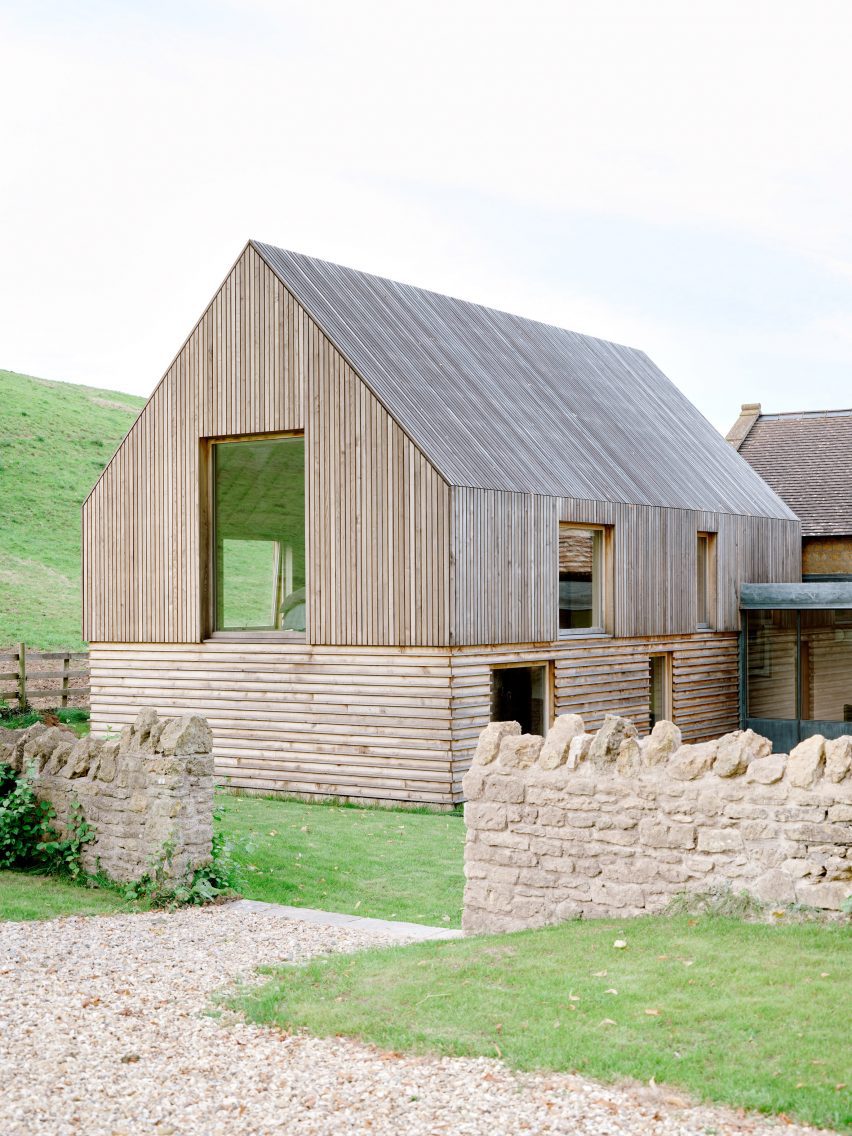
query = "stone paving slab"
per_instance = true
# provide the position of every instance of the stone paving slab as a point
(385, 927)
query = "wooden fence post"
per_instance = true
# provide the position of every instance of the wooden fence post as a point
(22, 677)
(65, 664)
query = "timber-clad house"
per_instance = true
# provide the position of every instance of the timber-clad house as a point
(357, 520)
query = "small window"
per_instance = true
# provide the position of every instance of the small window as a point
(259, 535)
(520, 694)
(660, 688)
(581, 579)
(706, 579)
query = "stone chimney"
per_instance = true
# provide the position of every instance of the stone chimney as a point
(738, 433)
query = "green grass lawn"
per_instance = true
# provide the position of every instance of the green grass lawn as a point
(384, 863)
(55, 438)
(744, 1014)
(74, 717)
(25, 896)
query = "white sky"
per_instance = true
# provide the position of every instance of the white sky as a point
(677, 176)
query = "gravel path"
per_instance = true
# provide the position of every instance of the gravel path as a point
(103, 1033)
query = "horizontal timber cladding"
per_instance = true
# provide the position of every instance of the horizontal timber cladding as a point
(596, 675)
(286, 718)
(505, 564)
(397, 724)
(377, 512)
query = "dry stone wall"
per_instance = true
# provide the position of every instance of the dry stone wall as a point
(611, 824)
(151, 787)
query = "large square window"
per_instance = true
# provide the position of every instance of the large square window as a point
(259, 535)
(581, 579)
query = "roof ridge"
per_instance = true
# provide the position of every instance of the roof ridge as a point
(805, 414)
(449, 296)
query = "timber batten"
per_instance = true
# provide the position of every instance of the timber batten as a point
(431, 543)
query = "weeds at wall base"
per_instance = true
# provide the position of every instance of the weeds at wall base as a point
(29, 842)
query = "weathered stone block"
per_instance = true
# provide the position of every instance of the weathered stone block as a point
(838, 868)
(557, 744)
(603, 751)
(737, 750)
(838, 759)
(807, 762)
(187, 735)
(663, 741)
(623, 837)
(767, 770)
(617, 895)
(586, 866)
(658, 834)
(821, 833)
(520, 751)
(629, 757)
(799, 867)
(473, 783)
(488, 745)
(578, 750)
(481, 814)
(719, 840)
(774, 886)
(692, 761)
(504, 787)
(829, 896)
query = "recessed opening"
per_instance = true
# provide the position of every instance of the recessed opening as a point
(706, 579)
(660, 688)
(519, 694)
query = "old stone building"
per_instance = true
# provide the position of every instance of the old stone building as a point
(806, 456)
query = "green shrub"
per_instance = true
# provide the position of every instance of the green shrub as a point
(27, 836)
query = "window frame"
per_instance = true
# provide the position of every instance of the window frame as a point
(602, 582)
(207, 545)
(705, 560)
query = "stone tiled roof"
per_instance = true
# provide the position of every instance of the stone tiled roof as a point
(807, 459)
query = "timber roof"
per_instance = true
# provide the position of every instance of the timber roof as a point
(807, 459)
(499, 402)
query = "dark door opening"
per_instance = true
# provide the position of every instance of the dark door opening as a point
(519, 694)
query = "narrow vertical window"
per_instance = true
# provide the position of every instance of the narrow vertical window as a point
(706, 579)
(660, 688)
(581, 579)
(259, 535)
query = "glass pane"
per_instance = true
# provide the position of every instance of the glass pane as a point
(826, 666)
(771, 664)
(259, 525)
(579, 572)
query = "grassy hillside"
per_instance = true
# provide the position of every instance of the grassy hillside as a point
(55, 438)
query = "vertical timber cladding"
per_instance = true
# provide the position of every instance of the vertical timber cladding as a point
(655, 602)
(505, 573)
(378, 513)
